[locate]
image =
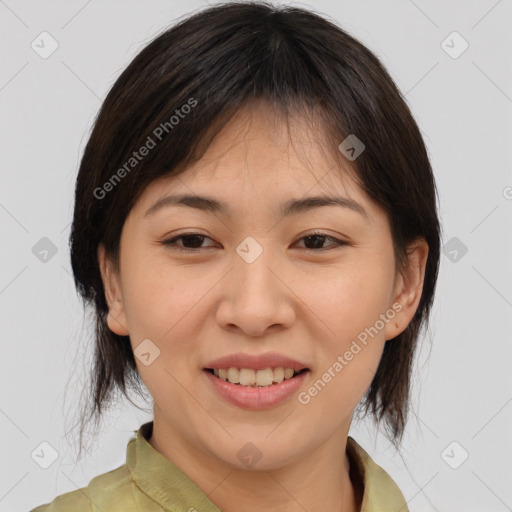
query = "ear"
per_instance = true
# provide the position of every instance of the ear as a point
(116, 318)
(408, 288)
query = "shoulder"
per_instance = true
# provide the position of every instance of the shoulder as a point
(380, 490)
(110, 491)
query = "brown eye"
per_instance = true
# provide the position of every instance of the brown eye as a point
(190, 241)
(193, 242)
(317, 240)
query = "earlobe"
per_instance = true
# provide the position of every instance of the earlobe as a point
(116, 318)
(409, 287)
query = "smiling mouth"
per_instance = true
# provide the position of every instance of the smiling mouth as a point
(248, 377)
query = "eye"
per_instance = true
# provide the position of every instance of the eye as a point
(317, 239)
(193, 239)
(192, 242)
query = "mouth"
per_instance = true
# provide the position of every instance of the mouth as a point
(255, 378)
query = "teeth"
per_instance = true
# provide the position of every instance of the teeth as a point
(247, 377)
(253, 378)
(234, 375)
(265, 377)
(288, 373)
(279, 374)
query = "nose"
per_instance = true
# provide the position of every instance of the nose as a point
(256, 296)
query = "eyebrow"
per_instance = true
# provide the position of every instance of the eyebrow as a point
(290, 207)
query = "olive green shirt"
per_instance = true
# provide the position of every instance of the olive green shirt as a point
(150, 482)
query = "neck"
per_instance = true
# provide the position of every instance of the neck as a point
(322, 480)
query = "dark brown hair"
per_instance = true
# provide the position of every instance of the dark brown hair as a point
(216, 61)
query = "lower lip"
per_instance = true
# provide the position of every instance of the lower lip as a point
(257, 398)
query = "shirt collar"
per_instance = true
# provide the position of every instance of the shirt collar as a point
(380, 491)
(165, 483)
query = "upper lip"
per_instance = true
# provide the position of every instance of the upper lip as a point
(256, 361)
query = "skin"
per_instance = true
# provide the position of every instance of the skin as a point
(306, 303)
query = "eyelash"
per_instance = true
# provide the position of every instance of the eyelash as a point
(172, 241)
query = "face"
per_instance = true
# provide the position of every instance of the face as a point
(316, 285)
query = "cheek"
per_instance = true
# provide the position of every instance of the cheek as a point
(350, 341)
(351, 305)
(167, 306)
(350, 298)
(158, 296)
(341, 384)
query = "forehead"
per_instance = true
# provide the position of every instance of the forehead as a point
(261, 158)
(260, 141)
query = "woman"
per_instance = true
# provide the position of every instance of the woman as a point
(256, 228)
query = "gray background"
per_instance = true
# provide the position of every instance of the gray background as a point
(462, 388)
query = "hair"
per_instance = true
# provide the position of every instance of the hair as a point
(182, 88)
